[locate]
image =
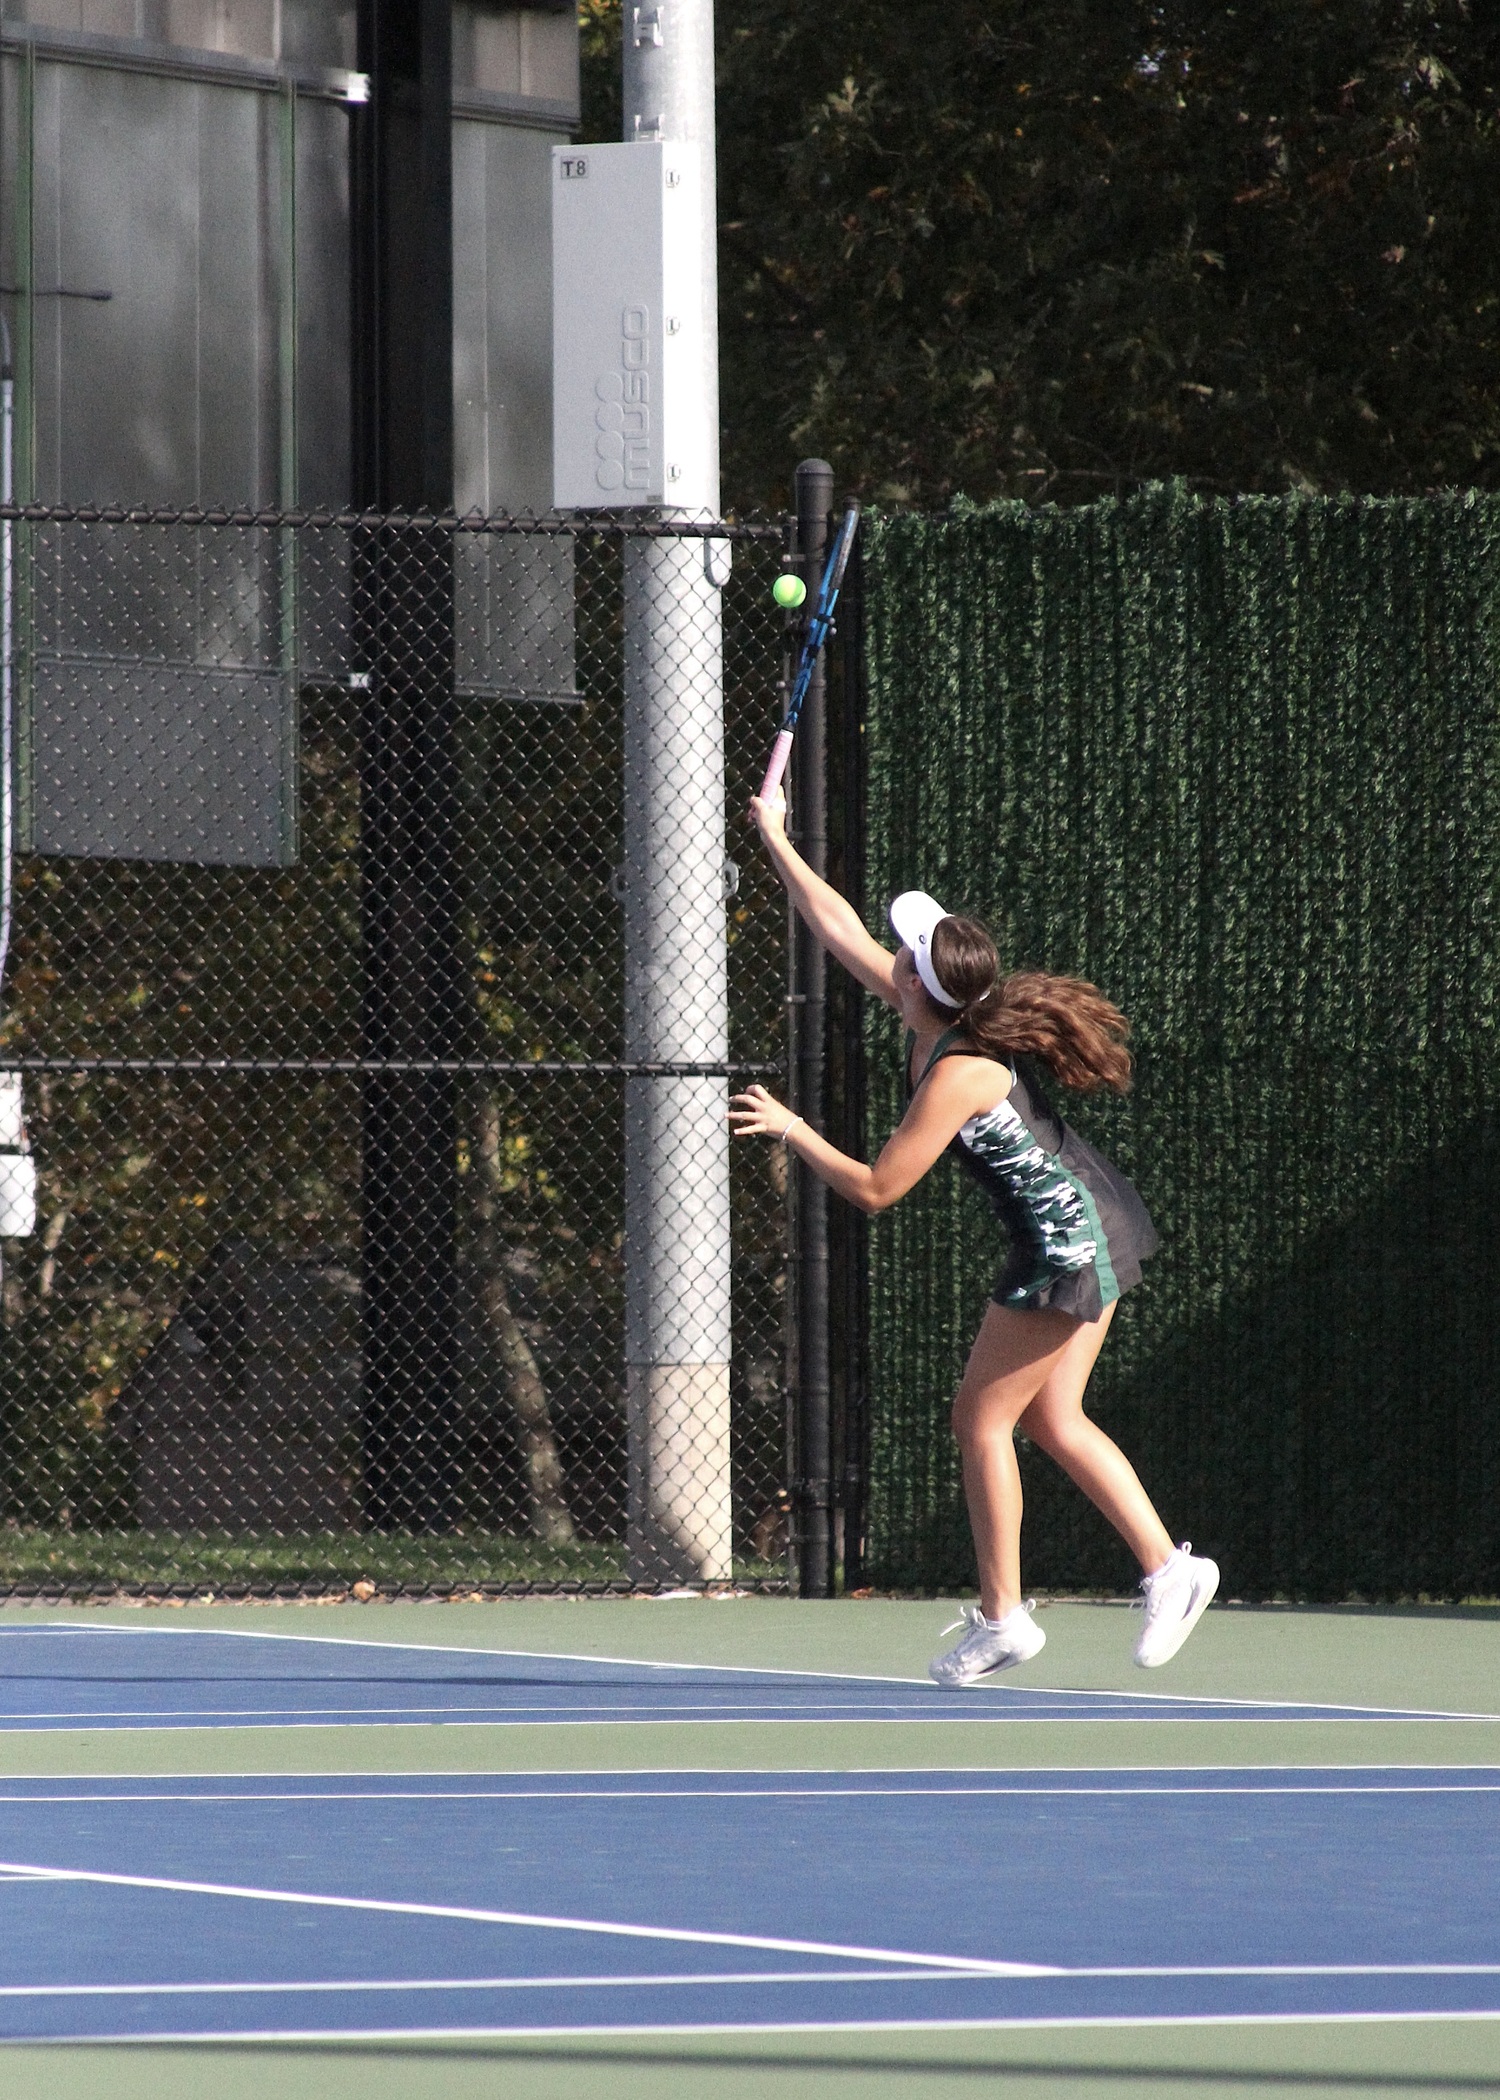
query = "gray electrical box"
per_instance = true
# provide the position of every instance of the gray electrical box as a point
(629, 420)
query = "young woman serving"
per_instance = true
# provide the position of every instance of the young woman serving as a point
(1078, 1232)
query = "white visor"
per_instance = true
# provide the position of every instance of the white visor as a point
(914, 914)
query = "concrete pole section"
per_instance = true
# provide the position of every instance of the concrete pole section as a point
(677, 1224)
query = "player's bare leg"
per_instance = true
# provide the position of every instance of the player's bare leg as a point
(1056, 1423)
(1013, 1355)
(1178, 1585)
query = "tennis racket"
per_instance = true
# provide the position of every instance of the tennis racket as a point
(814, 636)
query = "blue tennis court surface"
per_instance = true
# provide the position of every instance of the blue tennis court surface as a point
(276, 1907)
(62, 1677)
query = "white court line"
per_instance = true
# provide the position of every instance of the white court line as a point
(685, 2030)
(349, 1640)
(755, 1793)
(742, 1976)
(917, 1966)
(839, 1708)
(832, 1773)
(141, 1720)
(633, 1662)
(532, 1920)
(469, 1983)
(453, 1722)
(1275, 1969)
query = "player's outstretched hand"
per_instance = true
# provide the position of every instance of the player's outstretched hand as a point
(756, 1113)
(769, 816)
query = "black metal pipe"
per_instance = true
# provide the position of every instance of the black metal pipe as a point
(413, 991)
(849, 1228)
(807, 1011)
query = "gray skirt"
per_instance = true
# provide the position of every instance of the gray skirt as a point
(1029, 1283)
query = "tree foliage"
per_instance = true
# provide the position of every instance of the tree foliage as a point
(990, 246)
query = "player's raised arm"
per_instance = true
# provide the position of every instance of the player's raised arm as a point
(832, 918)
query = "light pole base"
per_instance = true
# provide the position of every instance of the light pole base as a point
(678, 1514)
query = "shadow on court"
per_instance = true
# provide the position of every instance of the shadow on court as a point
(763, 2064)
(1191, 2068)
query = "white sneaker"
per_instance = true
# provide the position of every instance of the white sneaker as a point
(1177, 1596)
(987, 1645)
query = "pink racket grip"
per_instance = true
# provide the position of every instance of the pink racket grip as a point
(781, 751)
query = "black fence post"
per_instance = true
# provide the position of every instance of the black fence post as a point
(807, 1011)
(412, 990)
(848, 1228)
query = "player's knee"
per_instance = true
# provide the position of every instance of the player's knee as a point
(1059, 1439)
(976, 1431)
(962, 1423)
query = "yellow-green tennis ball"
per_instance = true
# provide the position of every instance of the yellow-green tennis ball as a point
(789, 592)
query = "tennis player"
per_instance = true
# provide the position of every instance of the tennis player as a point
(1078, 1232)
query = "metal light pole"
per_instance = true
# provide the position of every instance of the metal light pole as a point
(677, 1227)
(17, 1167)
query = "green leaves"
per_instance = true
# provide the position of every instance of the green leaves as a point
(1162, 235)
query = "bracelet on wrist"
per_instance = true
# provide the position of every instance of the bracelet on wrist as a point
(791, 1127)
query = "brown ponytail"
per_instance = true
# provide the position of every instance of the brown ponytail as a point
(1067, 1023)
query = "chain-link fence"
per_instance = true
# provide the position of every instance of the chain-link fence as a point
(377, 968)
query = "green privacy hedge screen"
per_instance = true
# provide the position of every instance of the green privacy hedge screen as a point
(1237, 761)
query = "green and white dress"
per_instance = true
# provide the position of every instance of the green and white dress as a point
(1078, 1230)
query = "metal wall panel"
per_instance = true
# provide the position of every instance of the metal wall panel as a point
(308, 32)
(502, 300)
(514, 606)
(518, 51)
(322, 396)
(167, 194)
(163, 193)
(158, 704)
(322, 304)
(189, 766)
